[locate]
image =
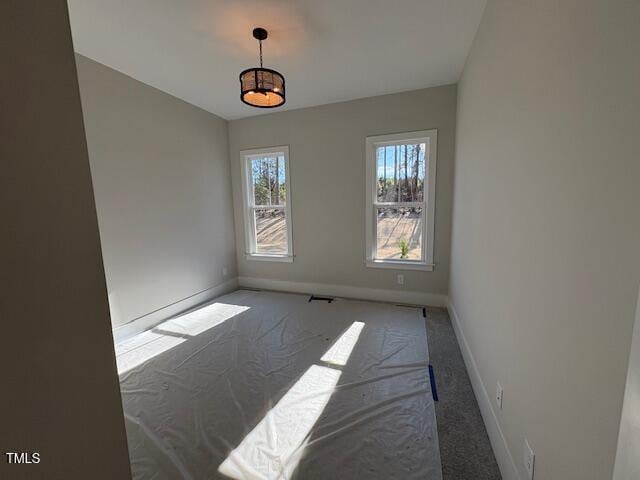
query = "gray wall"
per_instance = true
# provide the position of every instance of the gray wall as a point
(160, 170)
(627, 466)
(327, 162)
(545, 261)
(60, 394)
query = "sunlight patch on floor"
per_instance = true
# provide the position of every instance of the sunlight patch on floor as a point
(143, 347)
(273, 449)
(339, 353)
(202, 319)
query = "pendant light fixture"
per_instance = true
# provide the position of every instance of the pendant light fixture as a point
(261, 87)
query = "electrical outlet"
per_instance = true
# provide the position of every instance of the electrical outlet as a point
(499, 396)
(529, 459)
(400, 279)
(224, 271)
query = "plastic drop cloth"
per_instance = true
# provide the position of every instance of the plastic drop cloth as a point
(266, 386)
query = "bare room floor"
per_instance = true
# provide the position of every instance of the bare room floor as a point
(264, 385)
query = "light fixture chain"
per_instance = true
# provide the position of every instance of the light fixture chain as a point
(260, 53)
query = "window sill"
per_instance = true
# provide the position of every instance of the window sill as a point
(269, 258)
(400, 265)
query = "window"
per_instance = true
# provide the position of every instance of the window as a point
(267, 204)
(401, 172)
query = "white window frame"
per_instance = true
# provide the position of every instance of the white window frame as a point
(430, 138)
(248, 205)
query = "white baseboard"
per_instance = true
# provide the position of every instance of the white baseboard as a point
(498, 442)
(152, 319)
(344, 291)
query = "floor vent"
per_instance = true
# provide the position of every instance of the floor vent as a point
(320, 299)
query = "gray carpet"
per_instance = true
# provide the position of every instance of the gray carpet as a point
(465, 450)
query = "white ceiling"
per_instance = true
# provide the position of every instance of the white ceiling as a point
(328, 50)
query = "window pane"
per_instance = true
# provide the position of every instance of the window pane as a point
(400, 172)
(399, 233)
(271, 231)
(268, 178)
